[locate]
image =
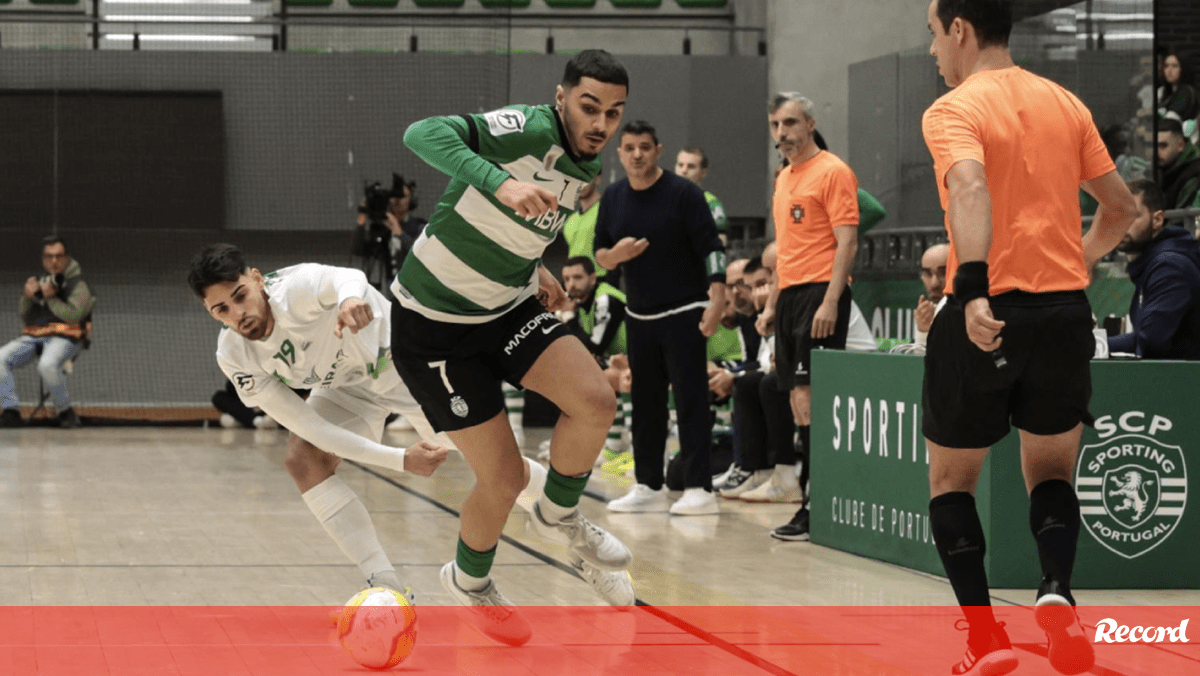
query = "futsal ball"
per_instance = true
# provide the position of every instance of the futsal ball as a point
(378, 628)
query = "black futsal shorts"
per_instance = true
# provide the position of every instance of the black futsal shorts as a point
(454, 371)
(794, 312)
(1039, 380)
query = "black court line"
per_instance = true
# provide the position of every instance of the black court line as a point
(686, 626)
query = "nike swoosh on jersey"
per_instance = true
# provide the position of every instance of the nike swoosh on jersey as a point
(537, 177)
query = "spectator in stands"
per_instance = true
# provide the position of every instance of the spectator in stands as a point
(1130, 167)
(1178, 166)
(56, 309)
(1164, 266)
(659, 227)
(1176, 95)
(763, 428)
(737, 337)
(692, 164)
(933, 276)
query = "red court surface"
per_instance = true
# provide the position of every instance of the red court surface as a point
(569, 641)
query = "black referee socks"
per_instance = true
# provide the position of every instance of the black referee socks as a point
(960, 542)
(1054, 519)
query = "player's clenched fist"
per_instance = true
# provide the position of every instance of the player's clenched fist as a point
(528, 200)
(423, 458)
(354, 314)
(550, 292)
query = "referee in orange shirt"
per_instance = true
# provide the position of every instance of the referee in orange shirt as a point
(1014, 341)
(815, 208)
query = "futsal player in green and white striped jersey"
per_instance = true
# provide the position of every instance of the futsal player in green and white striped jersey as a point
(474, 309)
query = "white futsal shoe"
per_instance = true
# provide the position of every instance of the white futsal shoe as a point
(615, 587)
(494, 614)
(583, 539)
(641, 499)
(696, 502)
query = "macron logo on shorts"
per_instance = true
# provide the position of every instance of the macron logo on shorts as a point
(529, 328)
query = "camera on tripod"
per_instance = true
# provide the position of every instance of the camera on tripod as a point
(375, 206)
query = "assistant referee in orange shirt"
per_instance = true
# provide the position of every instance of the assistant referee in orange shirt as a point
(1014, 341)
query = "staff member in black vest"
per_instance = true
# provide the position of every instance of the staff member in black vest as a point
(659, 228)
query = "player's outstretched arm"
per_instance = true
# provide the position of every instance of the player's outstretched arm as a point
(289, 410)
(444, 144)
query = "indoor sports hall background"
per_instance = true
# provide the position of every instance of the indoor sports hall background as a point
(140, 129)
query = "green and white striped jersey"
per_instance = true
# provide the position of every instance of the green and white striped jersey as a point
(477, 258)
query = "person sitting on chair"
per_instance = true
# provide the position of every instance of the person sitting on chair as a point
(56, 309)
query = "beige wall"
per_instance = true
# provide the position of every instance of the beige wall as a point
(813, 42)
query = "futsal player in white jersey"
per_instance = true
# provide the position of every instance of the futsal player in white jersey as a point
(326, 329)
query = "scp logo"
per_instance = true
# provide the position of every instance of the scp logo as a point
(1132, 487)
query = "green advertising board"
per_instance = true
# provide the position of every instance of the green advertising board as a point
(888, 305)
(870, 491)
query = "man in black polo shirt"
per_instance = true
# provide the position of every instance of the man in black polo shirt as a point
(659, 227)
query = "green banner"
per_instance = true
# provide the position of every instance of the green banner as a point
(870, 491)
(888, 305)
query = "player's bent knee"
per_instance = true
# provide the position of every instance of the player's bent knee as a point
(503, 489)
(593, 401)
(307, 464)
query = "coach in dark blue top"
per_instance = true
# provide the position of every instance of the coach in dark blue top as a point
(659, 229)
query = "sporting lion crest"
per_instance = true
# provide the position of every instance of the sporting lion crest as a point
(1132, 492)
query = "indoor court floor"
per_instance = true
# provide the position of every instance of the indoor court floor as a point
(127, 516)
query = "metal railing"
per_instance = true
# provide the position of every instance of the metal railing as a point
(275, 28)
(896, 253)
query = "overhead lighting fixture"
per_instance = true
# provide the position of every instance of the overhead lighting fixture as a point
(176, 2)
(182, 38)
(1121, 36)
(163, 18)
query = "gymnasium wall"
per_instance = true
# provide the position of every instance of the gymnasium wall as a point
(302, 131)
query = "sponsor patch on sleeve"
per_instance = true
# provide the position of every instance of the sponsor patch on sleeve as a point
(505, 121)
(244, 381)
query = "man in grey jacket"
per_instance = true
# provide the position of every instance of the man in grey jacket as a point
(56, 310)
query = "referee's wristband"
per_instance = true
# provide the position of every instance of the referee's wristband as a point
(971, 281)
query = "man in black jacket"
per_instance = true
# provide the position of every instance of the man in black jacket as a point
(55, 309)
(658, 227)
(1164, 266)
(1178, 166)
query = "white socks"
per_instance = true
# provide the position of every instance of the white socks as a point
(469, 582)
(534, 487)
(535, 492)
(346, 520)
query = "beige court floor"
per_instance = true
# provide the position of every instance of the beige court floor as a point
(190, 516)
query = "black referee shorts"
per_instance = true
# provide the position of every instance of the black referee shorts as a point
(794, 343)
(454, 371)
(1044, 388)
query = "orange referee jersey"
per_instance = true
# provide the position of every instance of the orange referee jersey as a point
(1037, 142)
(811, 199)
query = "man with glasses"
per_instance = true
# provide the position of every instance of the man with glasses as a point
(54, 308)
